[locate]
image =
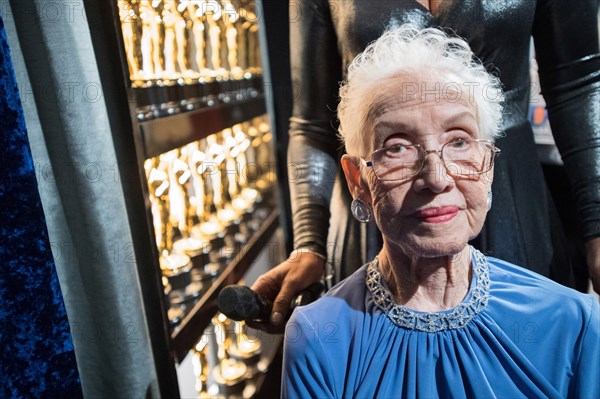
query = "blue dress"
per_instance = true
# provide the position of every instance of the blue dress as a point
(515, 335)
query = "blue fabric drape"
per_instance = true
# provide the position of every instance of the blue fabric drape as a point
(516, 334)
(38, 358)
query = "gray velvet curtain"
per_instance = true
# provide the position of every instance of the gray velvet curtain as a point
(82, 195)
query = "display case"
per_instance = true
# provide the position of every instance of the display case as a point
(189, 75)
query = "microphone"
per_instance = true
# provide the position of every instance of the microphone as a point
(239, 302)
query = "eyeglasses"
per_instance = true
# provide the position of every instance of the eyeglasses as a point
(463, 158)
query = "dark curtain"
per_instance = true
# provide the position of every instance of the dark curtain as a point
(38, 358)
(82, 194)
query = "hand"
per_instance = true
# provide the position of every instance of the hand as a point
(592, 248)
(282, 283)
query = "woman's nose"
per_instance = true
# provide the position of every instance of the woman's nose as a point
(433, 175)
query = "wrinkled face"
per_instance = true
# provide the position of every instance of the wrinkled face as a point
(433, 213)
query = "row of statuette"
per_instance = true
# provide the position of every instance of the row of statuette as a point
(227, 360)
(207, 199)
(189, 39)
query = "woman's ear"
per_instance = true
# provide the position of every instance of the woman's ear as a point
(352, 173)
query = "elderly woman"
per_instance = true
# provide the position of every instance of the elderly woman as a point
(431, 316)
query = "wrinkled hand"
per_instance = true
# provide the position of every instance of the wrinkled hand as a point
(592, 249)
(283, 283)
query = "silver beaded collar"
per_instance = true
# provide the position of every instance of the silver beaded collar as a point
(433, 322)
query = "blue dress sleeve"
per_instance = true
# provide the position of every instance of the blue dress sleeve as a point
(587, 369)
(307, 372)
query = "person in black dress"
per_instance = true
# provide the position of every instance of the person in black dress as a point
(522, 226)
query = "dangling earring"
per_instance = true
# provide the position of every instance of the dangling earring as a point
(361, 210)
(489, 200)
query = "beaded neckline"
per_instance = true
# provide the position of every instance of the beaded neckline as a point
(432, 322)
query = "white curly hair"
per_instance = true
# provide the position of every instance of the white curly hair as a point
(409, 50)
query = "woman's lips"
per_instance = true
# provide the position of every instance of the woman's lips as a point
(437, 215)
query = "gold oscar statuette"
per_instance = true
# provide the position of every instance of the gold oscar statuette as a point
(171, 263)
(186, 179)
(128, 19)
(229, 375)
(235, 160)
(200, 367)
(182, 42)
(230, 17)
(194, 26)
(217, 155)
(249, 169)
(195, 159)
(213, 14)
(250, 26)
(150, 42)
(213, 199)
(169, 18)
(245, 348)
(158, 185)
(242, 36)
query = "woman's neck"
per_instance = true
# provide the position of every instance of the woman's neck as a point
(426, 284)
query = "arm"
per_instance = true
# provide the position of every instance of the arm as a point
(566, 41)
(316, 72)
(307, 371)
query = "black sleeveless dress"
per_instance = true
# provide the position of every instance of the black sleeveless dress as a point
(522, 227)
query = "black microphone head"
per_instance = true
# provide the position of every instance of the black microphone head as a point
(239, 302)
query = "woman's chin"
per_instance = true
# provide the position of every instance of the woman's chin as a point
(431, 247)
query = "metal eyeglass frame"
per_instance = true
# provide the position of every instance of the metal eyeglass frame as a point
(423, 154)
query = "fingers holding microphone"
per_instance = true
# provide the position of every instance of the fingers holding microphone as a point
(300, 271)
(285, 286)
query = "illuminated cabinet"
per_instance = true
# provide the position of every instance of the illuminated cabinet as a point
(196, 145)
